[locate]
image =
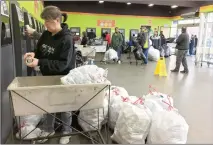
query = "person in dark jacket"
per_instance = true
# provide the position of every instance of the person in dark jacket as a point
(155, 40)
(116, 43)
(55, 56)
(191, 45)
(143, 42)
(196, 41)
(91, 34)
(84, 40)
(182, 46)
(162, 39)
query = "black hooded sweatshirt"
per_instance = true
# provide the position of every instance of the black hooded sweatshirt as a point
(56, 53)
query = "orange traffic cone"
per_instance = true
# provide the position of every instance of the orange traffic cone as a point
(161, 67)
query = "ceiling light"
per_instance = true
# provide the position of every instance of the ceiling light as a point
(174, 6)
(128, 3)
(151, 5)
(101, 2)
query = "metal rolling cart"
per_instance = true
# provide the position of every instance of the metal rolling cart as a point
(40, 95)
(205, 56)
(204, 53)
(88, 53)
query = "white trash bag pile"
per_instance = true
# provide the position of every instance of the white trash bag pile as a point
(132, 126)
(168, 127)
(27, 126)
(153, 54)
(151, 117)
(93, 119)
(89, 74)
(110, 55)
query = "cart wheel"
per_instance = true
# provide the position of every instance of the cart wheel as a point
(201, 64)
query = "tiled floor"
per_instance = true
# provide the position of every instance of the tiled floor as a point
(192, 93)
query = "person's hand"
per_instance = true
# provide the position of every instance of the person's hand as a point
(30, 54)
(33, 63)
(29, 31)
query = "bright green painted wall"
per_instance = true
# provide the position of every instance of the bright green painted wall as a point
(125, 22)
(30, 7)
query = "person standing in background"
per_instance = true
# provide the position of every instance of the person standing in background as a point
(162, 39)
(196, 41)
(155, 40)
(84, 40)
(91, 34)
(182, 46)
(143, 42)
(191, 45)
(116, 43)
(108, 39)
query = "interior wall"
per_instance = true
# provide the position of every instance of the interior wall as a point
(84, 20)
(33, 7)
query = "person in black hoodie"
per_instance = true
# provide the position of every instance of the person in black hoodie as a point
(84, 40)
(54, 55)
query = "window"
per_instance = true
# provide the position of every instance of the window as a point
(210, 17)
(189, 21)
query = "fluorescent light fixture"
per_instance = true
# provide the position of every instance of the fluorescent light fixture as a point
(174, 6)
(151, 5)
(101, 2)
(128, 3)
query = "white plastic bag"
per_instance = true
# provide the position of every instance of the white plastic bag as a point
(168, 127)
(28, 124)
(110, 55)
(116, 100)
(157, 101)
(153, 54)
(113, 54)
(86, 74)
(133, 124)
(93, 119)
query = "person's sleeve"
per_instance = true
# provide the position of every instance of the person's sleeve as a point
(37, 50)
(55, 67)
(120, 40)
(179, 39)
(36, 35)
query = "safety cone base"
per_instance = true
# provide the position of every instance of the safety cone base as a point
(160, 69)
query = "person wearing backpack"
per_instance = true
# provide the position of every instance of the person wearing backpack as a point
(116, 43)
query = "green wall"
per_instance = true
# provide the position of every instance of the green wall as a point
(83, 21)
(30, 7)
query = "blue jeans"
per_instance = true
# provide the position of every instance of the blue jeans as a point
(191, 47)
(119, 52)
(48, 125)
(145, 51)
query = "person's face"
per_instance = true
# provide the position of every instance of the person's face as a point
(156, 33)
(116, 30)
(52, 25)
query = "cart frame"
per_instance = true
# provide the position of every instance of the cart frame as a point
(86, 134)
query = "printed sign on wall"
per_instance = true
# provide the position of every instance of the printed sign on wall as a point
(106, 23)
